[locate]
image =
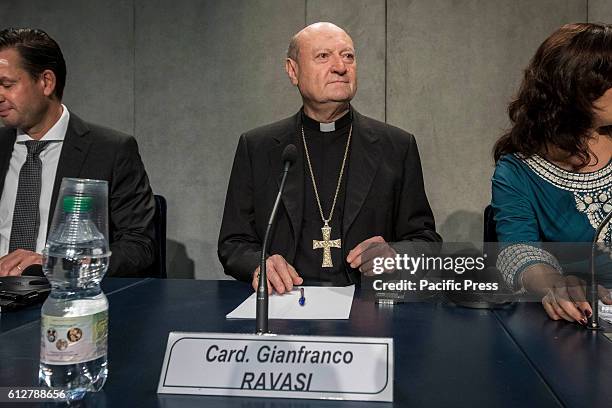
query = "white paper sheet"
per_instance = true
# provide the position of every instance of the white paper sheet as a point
(321, 303)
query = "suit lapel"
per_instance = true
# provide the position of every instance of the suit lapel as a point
(363, 165)
(7, 141)
(72, 157)
(293, 196)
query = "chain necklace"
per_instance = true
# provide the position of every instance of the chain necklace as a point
(327, 243)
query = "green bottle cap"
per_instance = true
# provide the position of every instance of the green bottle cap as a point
(77, 204)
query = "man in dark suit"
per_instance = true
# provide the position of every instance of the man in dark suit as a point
(42, 143)
(354, 193)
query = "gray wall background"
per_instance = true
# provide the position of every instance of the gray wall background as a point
(187, 77)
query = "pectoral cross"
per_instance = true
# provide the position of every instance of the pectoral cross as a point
(327, 243)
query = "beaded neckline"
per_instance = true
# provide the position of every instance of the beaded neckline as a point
(567, 180)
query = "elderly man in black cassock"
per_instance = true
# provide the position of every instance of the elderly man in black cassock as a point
(355, 191)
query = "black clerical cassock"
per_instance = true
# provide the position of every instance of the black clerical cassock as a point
(381, 193)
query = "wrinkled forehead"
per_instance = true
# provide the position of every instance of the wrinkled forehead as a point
(324, 38)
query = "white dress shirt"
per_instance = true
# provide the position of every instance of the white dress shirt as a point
(49, 158)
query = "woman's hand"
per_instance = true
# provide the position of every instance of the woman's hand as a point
(566, 299)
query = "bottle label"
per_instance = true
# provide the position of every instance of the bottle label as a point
(73, 340)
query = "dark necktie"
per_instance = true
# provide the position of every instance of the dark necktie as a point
(26, 217)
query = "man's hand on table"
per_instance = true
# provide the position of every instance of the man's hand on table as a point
(281, 275)
(362, 256)
(14, 263)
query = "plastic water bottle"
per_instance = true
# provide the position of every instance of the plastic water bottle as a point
(74, 322)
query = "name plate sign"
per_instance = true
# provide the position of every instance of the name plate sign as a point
(248, 365)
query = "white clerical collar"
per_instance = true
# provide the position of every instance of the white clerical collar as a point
(57, 131)
(327, 127)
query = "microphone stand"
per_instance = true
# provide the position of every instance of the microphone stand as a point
(261, 311)
(593, 322)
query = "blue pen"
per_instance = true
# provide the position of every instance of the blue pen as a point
(302, 300)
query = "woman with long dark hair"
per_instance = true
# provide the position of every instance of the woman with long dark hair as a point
(553, 175)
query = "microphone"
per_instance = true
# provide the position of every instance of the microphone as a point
(261, 313)
(593, 322)
(289, 156)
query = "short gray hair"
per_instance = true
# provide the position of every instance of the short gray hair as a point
(294, 48)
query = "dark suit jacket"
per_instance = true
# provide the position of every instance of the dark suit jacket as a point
(94, 152)
(384, 194)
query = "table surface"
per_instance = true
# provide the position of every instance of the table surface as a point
(444, 355)
(11, 320)
(575, 363)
